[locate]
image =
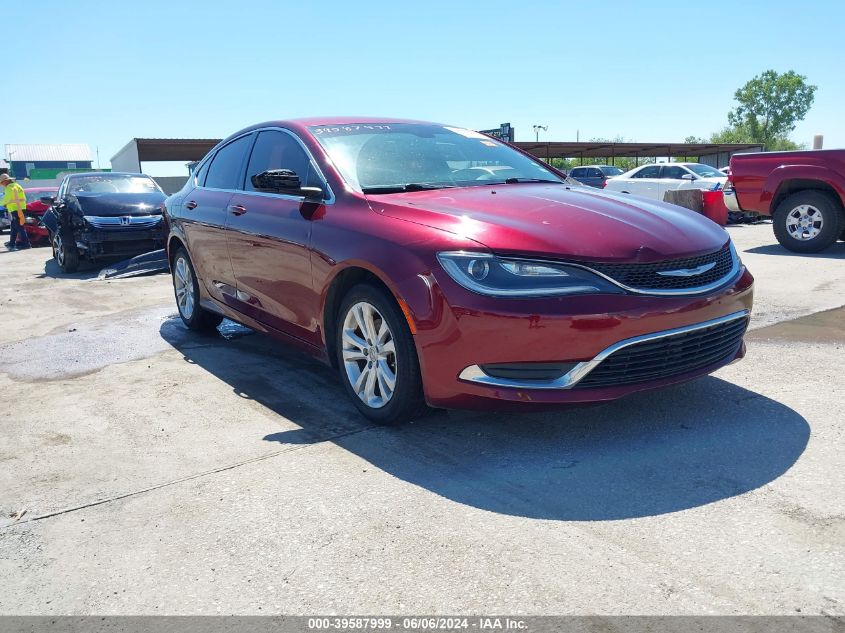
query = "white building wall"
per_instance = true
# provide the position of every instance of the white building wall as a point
(127, 158)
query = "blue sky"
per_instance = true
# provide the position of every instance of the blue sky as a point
(103, 73)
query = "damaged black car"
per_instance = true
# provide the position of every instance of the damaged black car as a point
(104, 215)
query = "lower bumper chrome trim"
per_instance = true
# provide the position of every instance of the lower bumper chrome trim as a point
(475, 374)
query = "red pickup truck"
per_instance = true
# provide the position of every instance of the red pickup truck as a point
(803, 191)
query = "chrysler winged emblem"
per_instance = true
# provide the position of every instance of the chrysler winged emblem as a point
(687, 272)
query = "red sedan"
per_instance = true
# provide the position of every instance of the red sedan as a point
(433, 265)
(35, 210)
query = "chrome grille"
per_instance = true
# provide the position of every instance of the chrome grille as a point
(125, 221)
(646, 276)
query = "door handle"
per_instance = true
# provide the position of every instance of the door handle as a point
(237, 209)
(190, 205)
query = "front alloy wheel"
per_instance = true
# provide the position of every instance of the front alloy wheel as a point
(65, 253)
(369, 355)
(377, 356)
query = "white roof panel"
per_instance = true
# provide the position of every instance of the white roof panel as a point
(60, 153)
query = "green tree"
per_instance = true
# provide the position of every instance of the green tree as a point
(769, 106)
(742, 134)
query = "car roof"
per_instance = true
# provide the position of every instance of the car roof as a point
(349, 120)
(41, 189)
(105, 173)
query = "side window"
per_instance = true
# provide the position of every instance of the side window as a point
(594, 173)
(674, 172)
(227, 166)
(577, 172)
(652, 171)
(199, 177)
(279, 150)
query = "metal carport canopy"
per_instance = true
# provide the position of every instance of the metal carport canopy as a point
(173, 149)
(560, 149)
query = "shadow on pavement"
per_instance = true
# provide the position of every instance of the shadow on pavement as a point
(646, 455)
(87, 270)
(836, 251)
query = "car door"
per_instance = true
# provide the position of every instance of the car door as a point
(645, 182)
(204, 217)
(671, 177)
(594, 177)
(269, 236)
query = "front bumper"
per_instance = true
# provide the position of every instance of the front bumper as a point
(120, 241)
(469, 332)
(729, 196)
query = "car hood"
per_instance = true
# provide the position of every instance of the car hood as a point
(557, 220)
(117, 204)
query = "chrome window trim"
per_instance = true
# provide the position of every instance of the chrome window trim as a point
(280, 196)
(475, 374)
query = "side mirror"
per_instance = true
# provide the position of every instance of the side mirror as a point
(276, 181)
(48, 200)
(688, 177)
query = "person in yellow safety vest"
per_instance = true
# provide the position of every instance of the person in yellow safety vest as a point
(14, 199)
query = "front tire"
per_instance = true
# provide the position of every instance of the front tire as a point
(65, 252)
(808, 221)
(377, 357)
(187, 292)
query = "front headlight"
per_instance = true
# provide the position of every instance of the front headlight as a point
(513, 277)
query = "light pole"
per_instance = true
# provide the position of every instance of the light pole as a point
(9, 160)
(537, 129)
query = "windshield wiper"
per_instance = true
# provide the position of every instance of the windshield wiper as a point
(513, 181)
(411, 186)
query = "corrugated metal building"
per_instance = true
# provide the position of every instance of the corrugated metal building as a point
(24, 158)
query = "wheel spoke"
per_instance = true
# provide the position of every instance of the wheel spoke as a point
(368, 321)
(387, 374)
(388, 348)
(370, 388)
(361, 381)
(384, 388)
(350, 355)
(358, 313)
(353, 339)
(383, 333)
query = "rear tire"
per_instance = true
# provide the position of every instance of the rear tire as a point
(377, 358)
(187, 292)
(65, 252)
(808, 221)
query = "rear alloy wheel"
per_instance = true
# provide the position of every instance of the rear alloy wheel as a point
(65, 253)
(808, 221)
(377, 357)
(186, 289)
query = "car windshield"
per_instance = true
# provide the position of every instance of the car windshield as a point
(35, 196)
(705, 171)
(386, 158)
(611, 171)
(117, 183)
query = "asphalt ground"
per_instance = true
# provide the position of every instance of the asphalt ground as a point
(162, 472)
